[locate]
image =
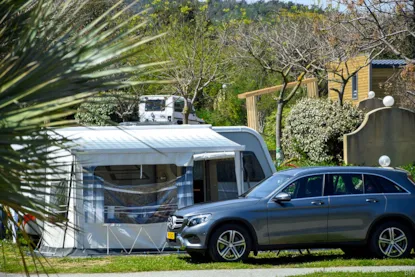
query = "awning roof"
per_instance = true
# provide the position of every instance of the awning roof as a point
(154, 144)
(144, 139)
(387, 63)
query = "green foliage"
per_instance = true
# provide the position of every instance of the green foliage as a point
(314, 129)
(269, 128)
(164, 11)
(227, 111)
(221, 106)
(108, 108)
(270, 120)
(50, 63)
(195, 32)
(96, 111)
(410, 168)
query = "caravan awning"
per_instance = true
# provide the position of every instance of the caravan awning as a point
(173, 144)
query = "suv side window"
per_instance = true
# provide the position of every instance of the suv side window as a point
(311, 186)
(343, 184)
(377, 184)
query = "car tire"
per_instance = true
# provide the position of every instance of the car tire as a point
(198, 256)
(230, 243)
(391, 240)
(356, 252)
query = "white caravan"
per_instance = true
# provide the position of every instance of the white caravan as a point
(121, 184)
(165, 108)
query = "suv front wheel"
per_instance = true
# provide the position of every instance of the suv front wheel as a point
(391, 240)
(230, 243)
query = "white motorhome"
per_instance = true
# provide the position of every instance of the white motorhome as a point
(165, 108)
(120, 184)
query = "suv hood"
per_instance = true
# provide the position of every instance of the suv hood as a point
(212, 207)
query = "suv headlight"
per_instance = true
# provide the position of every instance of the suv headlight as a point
(198, 219)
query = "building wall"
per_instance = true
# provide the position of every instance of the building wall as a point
(363, 80)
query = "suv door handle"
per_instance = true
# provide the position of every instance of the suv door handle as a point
(372, 200)
(317, 202)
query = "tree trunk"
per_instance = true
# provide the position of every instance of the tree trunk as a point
(279, 155)
(186, 118)
(340, 99)
(341, 94)
(186, 112)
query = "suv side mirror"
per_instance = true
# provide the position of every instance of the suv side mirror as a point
(282, 197)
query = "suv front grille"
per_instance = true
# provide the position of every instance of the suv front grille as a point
(175, 222)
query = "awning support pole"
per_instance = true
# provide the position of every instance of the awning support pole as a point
(238, 172)
(108, 240)
(132, 247)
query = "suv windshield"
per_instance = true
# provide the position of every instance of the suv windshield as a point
(267, 186)
(155, 105)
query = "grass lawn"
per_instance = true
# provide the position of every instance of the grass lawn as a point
(359, 274)
(11, 262)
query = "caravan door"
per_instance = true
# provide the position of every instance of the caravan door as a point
(215, 180)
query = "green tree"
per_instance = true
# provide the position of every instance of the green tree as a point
(194, 46)
(49, 64)
(286, 49)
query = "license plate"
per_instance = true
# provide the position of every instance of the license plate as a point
(171, 235)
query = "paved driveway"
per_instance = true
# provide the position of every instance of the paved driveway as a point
(277, 272)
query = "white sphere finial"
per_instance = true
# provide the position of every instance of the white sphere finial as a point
(371, 94)
(384, 161)
(388, 101)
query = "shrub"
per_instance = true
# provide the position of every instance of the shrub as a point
(108, 108)
(97, 111)
(410, 168)
(314, 129)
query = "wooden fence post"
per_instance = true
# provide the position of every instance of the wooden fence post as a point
(252, 112)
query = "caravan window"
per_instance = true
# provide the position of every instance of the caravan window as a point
(155, 105)
(226, 177)
(253, 172)
(138, 194)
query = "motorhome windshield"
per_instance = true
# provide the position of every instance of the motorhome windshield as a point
(179, 106)
(155, 105)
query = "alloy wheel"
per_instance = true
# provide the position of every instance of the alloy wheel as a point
(393, 242)
(231, 245)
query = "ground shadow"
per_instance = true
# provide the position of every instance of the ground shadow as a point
(296, 259)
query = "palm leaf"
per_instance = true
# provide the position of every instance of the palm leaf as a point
(49, 63)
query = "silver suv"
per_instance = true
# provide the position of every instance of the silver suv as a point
(362, 210)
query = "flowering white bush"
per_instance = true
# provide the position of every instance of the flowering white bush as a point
(314, 129)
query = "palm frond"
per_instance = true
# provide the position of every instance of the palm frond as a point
(49, 63)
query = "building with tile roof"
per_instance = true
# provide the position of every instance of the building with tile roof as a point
(369, 77)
